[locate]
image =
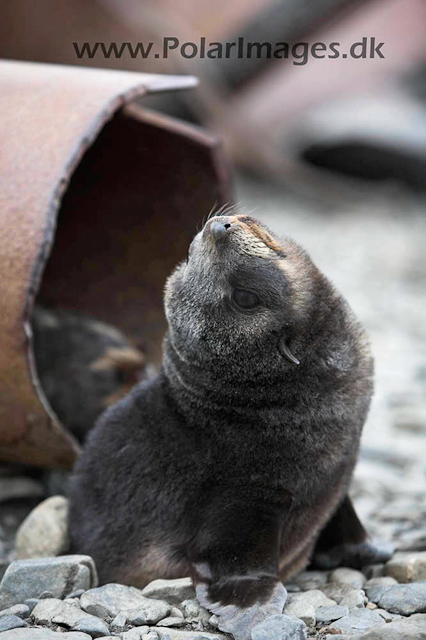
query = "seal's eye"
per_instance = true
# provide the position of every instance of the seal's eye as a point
(245, 299)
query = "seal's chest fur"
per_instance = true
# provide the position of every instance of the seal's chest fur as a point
(229, 464)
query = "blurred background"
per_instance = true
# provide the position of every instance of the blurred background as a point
(331, 151)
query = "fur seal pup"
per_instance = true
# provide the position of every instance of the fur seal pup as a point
(229, 463)
(84, 366)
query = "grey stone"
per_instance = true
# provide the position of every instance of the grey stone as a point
(150, 613)
(280, 627)
(303, 611)
(119, 623)
(178, 634)
(20, 610)
(11, 622)
(214, 621)
(152, 635)
(44, 532)
(110, 599)
(345, 595)
(93, 626)
(413, 628)
(315, 598)
(76, 594)
(31, 603)
(171, 622)
(311, 579)
(26, 579)
(194, 612)
(44, 595)
(407, 566)
(74, 601)
(134, 634)
(357, 622)
(405, 599)
(56, 611)
(329, 614)
(174, 591)
(351, 577)
(42, 634)
(388, 617)
(177, 613)
(377, 587)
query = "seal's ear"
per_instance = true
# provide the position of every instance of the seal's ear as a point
(285, 351)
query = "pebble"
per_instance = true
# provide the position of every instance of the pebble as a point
(119, 623)
(29, 578)
(93, 626)
(307, 580)
(388, 617)
(315, 598)
(376, 587)
(214, 621)
(133, 634)
(357, 622)
(331, 613)
(148, 613)
(42, 634)
(110, 599)
(174, 591)
(54, 611)
(31, 603)
(351, 577)
(20, 610)
(345, 595)
(194, 612)
(177, 634)
(305, 612)
(407, 566)
(404, 599)
(44, 532)
(280, 627)
(177, 613)
(152, 635)
(171, 622)
(11, 622)
(413, 628)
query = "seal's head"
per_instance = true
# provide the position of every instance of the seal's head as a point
(242, 292)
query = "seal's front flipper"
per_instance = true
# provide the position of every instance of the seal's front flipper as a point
(237, 619)
(344, 542)
(235, 559)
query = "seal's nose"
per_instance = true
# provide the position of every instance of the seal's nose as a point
(219, 228)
